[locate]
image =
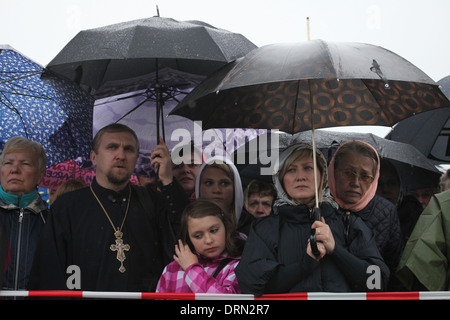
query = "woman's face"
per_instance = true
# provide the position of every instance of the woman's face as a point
(19, 173)
(186, 173)
(353, 176)
(298, 180)
(217, 186)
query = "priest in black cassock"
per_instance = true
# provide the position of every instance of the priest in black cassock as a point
(119, 235)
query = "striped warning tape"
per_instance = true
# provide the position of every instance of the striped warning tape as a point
(426, 295)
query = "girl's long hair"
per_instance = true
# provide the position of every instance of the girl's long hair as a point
(201, 208)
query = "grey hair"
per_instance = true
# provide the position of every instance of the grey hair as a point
(22, 144)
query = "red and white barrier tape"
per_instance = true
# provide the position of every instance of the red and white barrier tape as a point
(425, 295)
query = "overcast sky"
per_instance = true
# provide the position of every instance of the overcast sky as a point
(416, 30)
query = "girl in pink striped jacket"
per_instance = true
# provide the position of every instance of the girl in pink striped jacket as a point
(206, 255)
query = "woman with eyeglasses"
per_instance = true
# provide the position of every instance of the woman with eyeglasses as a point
(278, 255)
(353, 178)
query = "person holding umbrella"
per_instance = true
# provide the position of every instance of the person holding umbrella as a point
(278, 257)
(353, 178)
(23, 213)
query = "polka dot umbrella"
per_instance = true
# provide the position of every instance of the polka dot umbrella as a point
(43, 108)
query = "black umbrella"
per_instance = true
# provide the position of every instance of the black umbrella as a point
(429, 132)
(314, 84)
(409, 162)
(137, 108)
(122, 52)
(342, 84)
(135, 48)
(444, 84)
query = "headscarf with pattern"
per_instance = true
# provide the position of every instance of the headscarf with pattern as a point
(283, 197)
(370, 193)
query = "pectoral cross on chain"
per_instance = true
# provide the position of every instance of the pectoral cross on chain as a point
(120, 247)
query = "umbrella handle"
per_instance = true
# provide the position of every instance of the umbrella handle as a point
(317, 216)
(313, 243)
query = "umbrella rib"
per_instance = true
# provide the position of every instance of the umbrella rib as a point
(15, 85)
(333, 63)
(383, 114)
(295, 105)
(26, 75)
(135, 108)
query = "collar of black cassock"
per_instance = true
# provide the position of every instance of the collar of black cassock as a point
(115, 197)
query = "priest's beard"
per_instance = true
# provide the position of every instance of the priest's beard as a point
(117, 180)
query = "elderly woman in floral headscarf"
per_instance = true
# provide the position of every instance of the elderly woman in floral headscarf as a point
(277, 257)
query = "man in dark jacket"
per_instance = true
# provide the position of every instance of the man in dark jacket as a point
(117, 235)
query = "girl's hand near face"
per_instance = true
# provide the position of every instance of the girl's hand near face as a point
(184, 256)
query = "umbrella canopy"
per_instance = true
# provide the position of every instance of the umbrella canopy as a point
(388, 149)
(329, 141)
(46, 109)
(431, 134)
(342, 84)
(444, 84)
(133, 103)
(409, 162)
(137, 108)
(130, 49)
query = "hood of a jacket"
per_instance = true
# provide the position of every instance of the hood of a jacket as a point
(238, 191)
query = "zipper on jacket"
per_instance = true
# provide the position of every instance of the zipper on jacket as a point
(19, 243)
(347, 226)
(21, 215)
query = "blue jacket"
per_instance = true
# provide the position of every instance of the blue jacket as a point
(23, 228)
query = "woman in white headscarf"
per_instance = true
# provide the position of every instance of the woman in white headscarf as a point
(278, 258)
(218, 179)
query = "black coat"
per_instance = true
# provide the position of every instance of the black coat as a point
(275, 259)
(381, 217)
(79, 233)
(22, 237)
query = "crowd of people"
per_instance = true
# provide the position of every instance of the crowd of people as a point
(196, 227)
